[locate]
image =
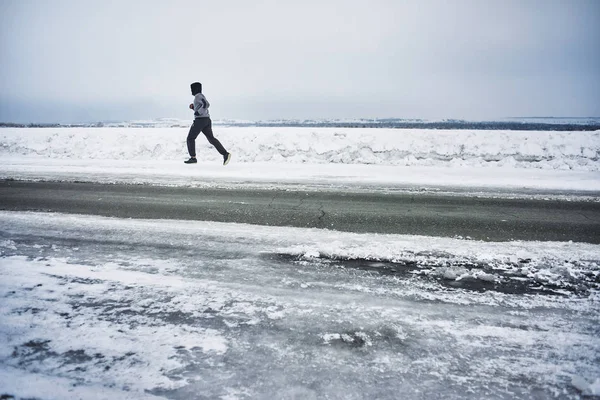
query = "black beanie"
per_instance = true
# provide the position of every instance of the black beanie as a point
(196, 88)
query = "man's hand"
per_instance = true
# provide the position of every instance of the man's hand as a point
(192, 106)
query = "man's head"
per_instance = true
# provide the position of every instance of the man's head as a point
(196, 88)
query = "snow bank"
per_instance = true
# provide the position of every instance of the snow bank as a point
(418, 147)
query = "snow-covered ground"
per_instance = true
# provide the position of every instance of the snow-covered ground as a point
(96, 307)
(327, 157)
(420, 147)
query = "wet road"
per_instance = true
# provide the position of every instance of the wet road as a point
(398, 213)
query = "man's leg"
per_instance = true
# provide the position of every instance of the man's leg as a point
(207, 130)
(191, 138)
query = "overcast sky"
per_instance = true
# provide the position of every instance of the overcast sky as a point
(83, 60)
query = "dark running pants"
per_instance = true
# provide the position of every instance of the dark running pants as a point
(203, 125)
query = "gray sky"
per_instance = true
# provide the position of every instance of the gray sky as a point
(83, 60)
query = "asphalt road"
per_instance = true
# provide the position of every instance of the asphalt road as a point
(399, 213)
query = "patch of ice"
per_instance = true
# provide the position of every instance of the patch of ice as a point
(586, 388)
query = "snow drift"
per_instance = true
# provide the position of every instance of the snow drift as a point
(418, 147)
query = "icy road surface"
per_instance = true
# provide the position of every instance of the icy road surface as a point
(96, 307)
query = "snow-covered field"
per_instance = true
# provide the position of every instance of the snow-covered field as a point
(96, 307)
(538, 150)
(324, 157)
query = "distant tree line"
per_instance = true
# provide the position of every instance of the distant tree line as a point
(383, 123)
(44, 125)
(511, 126)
